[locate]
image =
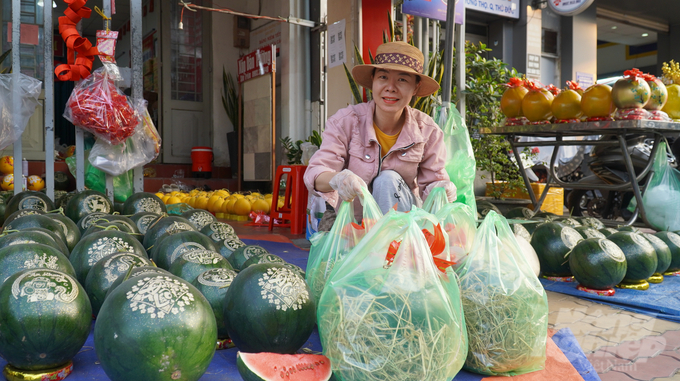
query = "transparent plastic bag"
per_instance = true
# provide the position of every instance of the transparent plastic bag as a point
(18, 99)
(435, 200)
(343, 236)
(398, 319)
(95, 179)
(308, 149)
(505, 305)
(98, 106)
(662, 196)
(139, 149)
(460, 159)
(460, 225)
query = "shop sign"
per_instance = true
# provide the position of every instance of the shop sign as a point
(569, 7)
(432, 9)
(507, 8)
(255, 64)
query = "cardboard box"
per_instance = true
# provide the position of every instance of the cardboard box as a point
(554, 200)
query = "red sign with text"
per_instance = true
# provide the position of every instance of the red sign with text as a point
(257, 63)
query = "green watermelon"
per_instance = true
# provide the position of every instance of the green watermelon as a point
(25, 256)
(520, 212)
(169, 225)
(155, 328)
(102, 275)
(520, 231)
(29, 200)
(239, 257)
(70, 229)
(191, 264)
(63, 199)
(61, 181)
(640, 255)
(296, 269)
(213, 284)
(136, 271)
(597, 263)
(199, 217)
(37, 221)
(98, 245)
(663, 252)
(275, 366)
(484, 207)
(219, 231)
(530, 226)
(29, 236)
(607, 231)
(547, 215)
(88, 220)
(552, 241)
(170, 247)
(590, 222)
(628, 228)
(673, 241)
(118, 207)
(589, 232)
(45, 319)
(263, 258)
(268, 308)
(144, 202)
(227, 247)
(58, 243)
(86, 202)
(568, 221)
(109, 225)
(19, 214)
(143, 220)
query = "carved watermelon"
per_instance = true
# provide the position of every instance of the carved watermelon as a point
(143, 202)
(199, 217)
(166, 225)
(26, 256)
(263, 258)
(227, 247)
(86, 202)
(218, 231)
(87, 221)
(168, 248)
(239, 257)
(213, 284)
(36, 221)
(39, 236)
(192, 263)
(70, 229)
(137, 271)
(29, 200)
(143, 220)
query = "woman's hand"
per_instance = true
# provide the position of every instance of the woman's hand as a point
(347, 184)
(451, 192)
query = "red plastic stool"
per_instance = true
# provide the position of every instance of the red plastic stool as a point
(295, 211)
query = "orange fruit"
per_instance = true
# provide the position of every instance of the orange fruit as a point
(511, 101)
(567, 105)
(212, 201)
(173, 200)
(216, 206)
(242, 207)
(261, 205)
(7, 182)
(536, 105)
(597, 101)
(229, 208)
(201, 203)
(35, 183)
(7, 165)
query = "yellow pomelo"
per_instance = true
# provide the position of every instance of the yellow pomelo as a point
(173, 200)
(260, 205)
(7, 182)
(7, 165)
(35, 183)
(242, 207)
(201, 203)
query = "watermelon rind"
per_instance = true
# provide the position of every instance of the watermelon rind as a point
(213, 284)
(239, 257)
(137, 271)
(29, 200)
(597, 263)
(275, 366)
(218, 231)
(86, 202)
(640, 255)
(70, 229)
(155, 327)
(607, 231)
(663, 252)
(143, 220)
(199, 217)
(33, 235)
(25, 256)
(673, 241)
(143, 202)
(36, 221)
(552, 242)
(227, 247)
(589, 232)
(192, 263)
(170, 247)
(166, 225)
(45, 329)
(262, 258)
(87, 220)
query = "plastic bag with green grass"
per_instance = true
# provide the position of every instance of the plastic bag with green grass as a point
(460, 225)
(345, 233)
(505, 305)
(388, 312)
(460, 159)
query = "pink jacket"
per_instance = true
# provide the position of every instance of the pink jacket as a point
(349, 142)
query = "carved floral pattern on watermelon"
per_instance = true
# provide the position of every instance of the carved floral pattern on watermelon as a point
(283, 288)
(45, 285)
(159, 296)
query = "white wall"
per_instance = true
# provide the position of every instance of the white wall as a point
(339, 93)
(612, 58)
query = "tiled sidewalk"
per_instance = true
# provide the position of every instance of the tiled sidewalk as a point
(621, 345)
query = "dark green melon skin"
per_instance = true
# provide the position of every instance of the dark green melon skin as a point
(136, 346)
(227, 247)
(641, 258)
(70, 229)
(96, 246)
(44, 334)
(262, 258)
(144, 202)
(118, 207)
(551, 250)
(191, 264)
(663, 252)
(532, 225)
(213, 284)
(102, 275)
(58, 243)
(31, 236)
(521, 212)
(590, 221)
(239, 257)
(673, 241)
(607, 231)
(168, 248)
(87, 221)
(143, 220)
(35, 221)
(86, 202)
(594, 268)
(104, 225)
(296, 269)
(589, 232)
(199, 217)
(24, 256)
(544, 214)
(218, 231)
(255, 324)
(29, 200)
(63, 200)
(61, 181)
(568, 221)
(628, 228)
(137, 271)
(169, 225)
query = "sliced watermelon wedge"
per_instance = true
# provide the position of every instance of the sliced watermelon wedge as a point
(273, 366)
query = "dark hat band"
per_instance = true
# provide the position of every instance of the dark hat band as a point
(399, 59)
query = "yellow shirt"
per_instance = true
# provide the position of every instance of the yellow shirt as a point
(386, 141)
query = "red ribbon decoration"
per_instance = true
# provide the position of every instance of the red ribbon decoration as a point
(80, 67)
(553, 89)
(515, 82)
(649, 77)
(574, 86)
(633, 74)
(436, 242)
(531, 85)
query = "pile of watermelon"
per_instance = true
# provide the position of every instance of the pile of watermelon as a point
(597, 257)
(166, 292)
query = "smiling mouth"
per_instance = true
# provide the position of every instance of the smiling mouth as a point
(390, 100)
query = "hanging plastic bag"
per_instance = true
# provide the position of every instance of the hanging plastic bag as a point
(343, 236)
(662, 196)
(98, 106)
(388, 313)
(96, 179)
(435, 200)
(139, 149)
(505, 306)
(460, 225)
(18, 99)
(460, 159)
(308, 150)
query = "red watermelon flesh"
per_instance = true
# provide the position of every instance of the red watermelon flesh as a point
(274, 366)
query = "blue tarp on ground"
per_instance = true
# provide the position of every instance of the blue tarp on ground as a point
(661, 300)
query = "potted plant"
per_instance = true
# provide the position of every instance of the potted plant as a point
(230, 103)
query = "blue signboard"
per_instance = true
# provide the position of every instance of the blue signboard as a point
(433, 9)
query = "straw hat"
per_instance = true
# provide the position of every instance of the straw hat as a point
(397, 56)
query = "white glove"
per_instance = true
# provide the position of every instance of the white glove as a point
(347, 184)
(451, 193)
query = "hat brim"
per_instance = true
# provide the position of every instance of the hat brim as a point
(363, 76)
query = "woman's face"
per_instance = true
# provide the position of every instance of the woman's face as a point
(392, 89)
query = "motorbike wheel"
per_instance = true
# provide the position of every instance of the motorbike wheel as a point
(586, 203)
